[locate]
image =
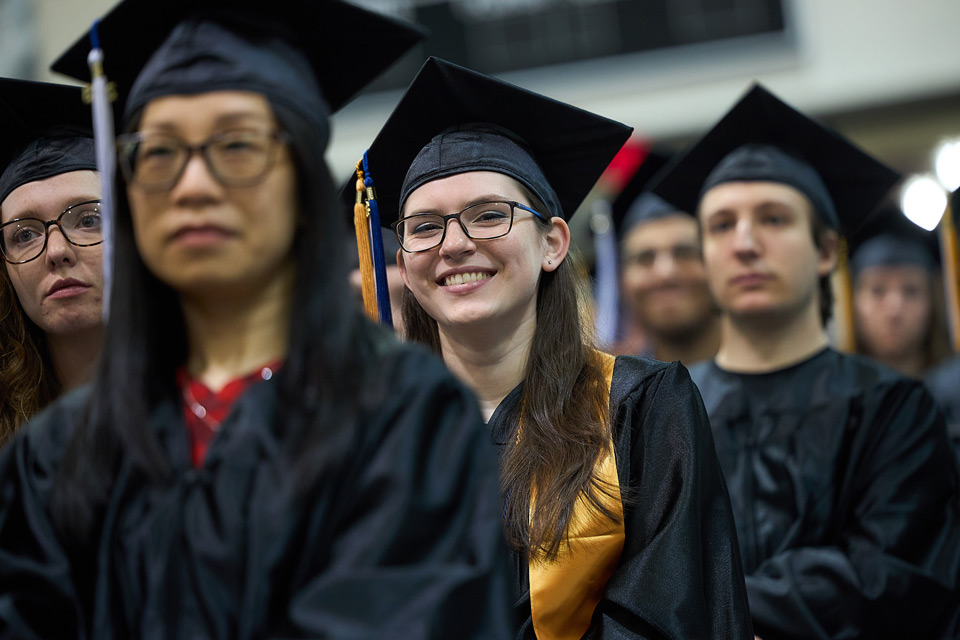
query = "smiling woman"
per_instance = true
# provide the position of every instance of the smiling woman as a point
(611, 494)
(51, 282)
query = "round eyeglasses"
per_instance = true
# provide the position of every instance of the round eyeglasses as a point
(236, 157)
(480, 221)
(25, 239)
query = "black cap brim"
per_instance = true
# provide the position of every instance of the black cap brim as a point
(856, 182)
(572, 146)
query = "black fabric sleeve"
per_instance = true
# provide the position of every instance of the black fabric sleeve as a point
(37, 595)
(417, 549)
(893, 571)
(680, 574)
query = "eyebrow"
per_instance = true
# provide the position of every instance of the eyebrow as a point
(170, 126)
(490, 197)
(61, 206)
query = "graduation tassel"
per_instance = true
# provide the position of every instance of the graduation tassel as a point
(100, 94)
(843, 300)
(377, 304)
(951, 272)
(605, 252)
(361, 225)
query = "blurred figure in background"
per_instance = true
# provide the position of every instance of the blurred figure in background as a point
(51, 279)
(898, 299)
(663, 282)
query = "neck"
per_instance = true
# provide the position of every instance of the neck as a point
(909, 364)
(760, 344)
(74, 357)
(698, 345)
(490, 363)
(230, 338)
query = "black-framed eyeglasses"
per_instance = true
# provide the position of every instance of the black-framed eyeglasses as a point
(480, 221)
(236, 157)
(25, 239)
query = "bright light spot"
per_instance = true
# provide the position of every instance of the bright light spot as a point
(923, 201)
(947, 164)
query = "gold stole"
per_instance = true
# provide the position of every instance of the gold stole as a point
(565, 592)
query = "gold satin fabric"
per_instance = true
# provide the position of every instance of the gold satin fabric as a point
(565, 592)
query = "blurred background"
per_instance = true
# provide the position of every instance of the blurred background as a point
(886, 73)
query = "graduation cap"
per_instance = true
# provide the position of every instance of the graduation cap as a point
(453, 120)
(763, 139)
(636, 203)
(310, 55)
(889, 240)
(44, 131)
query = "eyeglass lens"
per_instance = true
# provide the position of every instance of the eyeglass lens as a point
(24, 240)
(481, 221)
(235, 157)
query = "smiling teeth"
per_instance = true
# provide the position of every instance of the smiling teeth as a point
(463, 278)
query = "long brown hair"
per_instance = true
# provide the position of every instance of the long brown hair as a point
(563, 409)
(27, 381)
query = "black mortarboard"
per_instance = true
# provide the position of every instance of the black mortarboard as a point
(452, 120)
(890, 239)
(312, 56)
(764, 139)
(635, 203)
(44, 131)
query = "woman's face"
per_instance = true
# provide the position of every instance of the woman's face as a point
(199, 236)
(62, 290)
(893, 308)
(465, 282)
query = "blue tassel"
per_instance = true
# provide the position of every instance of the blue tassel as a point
(376, 250)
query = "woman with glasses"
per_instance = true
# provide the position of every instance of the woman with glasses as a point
(253, 460)
(612, 498)
(51, 281)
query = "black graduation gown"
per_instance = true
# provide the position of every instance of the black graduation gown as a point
(845, 496)
(679, 575)
(406, 543)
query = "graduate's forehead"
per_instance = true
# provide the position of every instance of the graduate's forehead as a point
(750, 197)
(461, 190)
(214, 109)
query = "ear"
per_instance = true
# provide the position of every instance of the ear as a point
(403, 268)
(557, 243)
(828, 252)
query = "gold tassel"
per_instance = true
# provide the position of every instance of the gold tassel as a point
(951, 273)
(843, 300)
(361, 223)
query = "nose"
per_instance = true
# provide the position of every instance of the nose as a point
(745, 243)
(59, 250)
(664, 264)
(196, 183)
(456, 242)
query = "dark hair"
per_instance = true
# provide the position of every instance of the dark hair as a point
(27, 379)
(563, 410)
(319, 402)
(820, 231)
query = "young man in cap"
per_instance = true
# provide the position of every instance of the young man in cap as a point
(843, 485)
